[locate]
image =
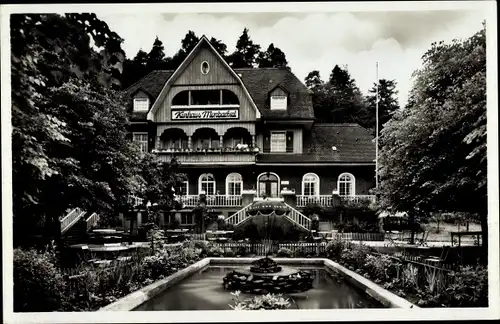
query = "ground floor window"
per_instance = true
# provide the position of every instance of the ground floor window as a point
(310, 185)
(207, 184)
(234, 184)
(187, 219)
(183, 188)
(346, 184)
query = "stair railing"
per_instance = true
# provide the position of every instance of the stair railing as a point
(71, 219)
(92, 221)
(298, 218)
(239, 217)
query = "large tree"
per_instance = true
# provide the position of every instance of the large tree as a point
(387, 105)
(246, 52)
(69, 141)
(272, 57)
(339, 100)
(433, 153)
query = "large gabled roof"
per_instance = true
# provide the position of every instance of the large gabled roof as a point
(258, 83)
(166, 86)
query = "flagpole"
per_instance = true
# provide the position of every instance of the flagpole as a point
(376, 132)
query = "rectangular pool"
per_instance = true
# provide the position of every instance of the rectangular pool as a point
(204, 291)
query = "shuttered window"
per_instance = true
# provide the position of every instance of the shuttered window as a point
(289, 142)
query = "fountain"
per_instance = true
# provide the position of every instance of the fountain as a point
(265, 275)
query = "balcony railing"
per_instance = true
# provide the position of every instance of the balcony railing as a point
(212, 200)
(326, 200)
(202, 156)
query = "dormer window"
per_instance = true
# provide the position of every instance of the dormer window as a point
(278, 102)
(141, 104)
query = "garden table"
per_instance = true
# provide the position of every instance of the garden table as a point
(459, 235)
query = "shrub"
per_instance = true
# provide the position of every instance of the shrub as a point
(469, 288)
(229, 253)
(215, 251)
(241, 251)
(38, 282)
(355, 254)
(285, 253)
(334, 249)
(269, 301)
(380, 267)
(300, 252)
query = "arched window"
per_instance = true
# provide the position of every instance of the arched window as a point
(207, 184)
(310, 184)
(346, 184)
(234, 184)
(268, 184)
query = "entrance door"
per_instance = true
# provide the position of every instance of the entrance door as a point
(268, 185)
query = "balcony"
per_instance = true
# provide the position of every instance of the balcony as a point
(326, 200)
(207, 156)
(212, 200)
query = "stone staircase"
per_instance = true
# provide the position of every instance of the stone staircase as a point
(294, 216)
(76, 224)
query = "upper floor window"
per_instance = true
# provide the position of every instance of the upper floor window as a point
(346, 184)
(310, 185)
(142, 140)
(278, 102)
(234, 183)
(278, 141)
(205, 98)
(141, 104)
(207, 184)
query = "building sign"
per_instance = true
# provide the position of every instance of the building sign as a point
(285, 183)
(205, 114)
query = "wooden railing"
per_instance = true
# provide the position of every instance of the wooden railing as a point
(70, 219)
(208, 156)
(298, 218)
(239, 217)
(92, 221)
(326, 200)
(212, 200)
(322, 200)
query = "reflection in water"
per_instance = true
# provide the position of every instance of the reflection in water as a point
(204, 291)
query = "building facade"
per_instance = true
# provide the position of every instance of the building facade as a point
(238, 132)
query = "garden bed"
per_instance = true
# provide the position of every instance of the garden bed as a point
(89, 288)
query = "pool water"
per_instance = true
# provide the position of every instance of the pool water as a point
(204, 291)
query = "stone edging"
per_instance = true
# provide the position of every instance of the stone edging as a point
(144, 294)
(381, 294)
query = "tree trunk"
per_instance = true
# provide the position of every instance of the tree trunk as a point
(411, 221)
(484, 228)
(131, 229)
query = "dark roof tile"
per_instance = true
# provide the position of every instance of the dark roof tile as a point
(261, 81)
(354, 144)
(258, 81)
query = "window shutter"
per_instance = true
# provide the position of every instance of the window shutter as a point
(289, 142)
(267, 142)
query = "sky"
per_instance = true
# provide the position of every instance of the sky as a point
(313, 41)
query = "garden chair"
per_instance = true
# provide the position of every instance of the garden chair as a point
(315, 236)
(423, 241)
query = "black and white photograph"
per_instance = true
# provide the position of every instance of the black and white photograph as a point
(180, 162)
